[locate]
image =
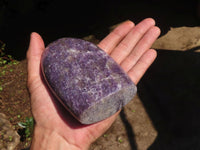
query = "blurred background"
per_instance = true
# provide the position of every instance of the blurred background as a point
(58, 18)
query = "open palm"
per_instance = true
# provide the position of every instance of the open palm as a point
(127, 44)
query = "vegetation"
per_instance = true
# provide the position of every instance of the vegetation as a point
(28, 126)
(5, 58)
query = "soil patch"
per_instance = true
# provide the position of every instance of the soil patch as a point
(14, 96)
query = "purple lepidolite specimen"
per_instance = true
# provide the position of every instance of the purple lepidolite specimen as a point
(85, 79)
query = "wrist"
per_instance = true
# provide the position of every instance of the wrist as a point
(44, 139)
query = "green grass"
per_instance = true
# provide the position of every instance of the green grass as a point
(28, 126)
(5, 58)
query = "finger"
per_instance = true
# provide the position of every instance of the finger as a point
(128, 43)
(36, 47)
(142, 65)
(110, 41)
(143, 45)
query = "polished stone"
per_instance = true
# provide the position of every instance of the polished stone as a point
(85, 79)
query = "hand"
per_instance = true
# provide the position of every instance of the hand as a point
(55, 128)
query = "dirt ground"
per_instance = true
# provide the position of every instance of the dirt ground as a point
(14, 97)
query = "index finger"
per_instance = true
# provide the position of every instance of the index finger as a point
(112, 39)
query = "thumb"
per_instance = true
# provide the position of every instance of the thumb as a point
(34, 53)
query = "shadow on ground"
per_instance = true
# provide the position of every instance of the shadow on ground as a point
(170, 92)
(129, 130)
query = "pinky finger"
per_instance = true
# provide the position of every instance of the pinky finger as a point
(138, 70)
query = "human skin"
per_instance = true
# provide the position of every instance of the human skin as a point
(55, 129)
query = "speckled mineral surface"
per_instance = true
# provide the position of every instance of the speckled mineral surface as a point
(85, 79)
